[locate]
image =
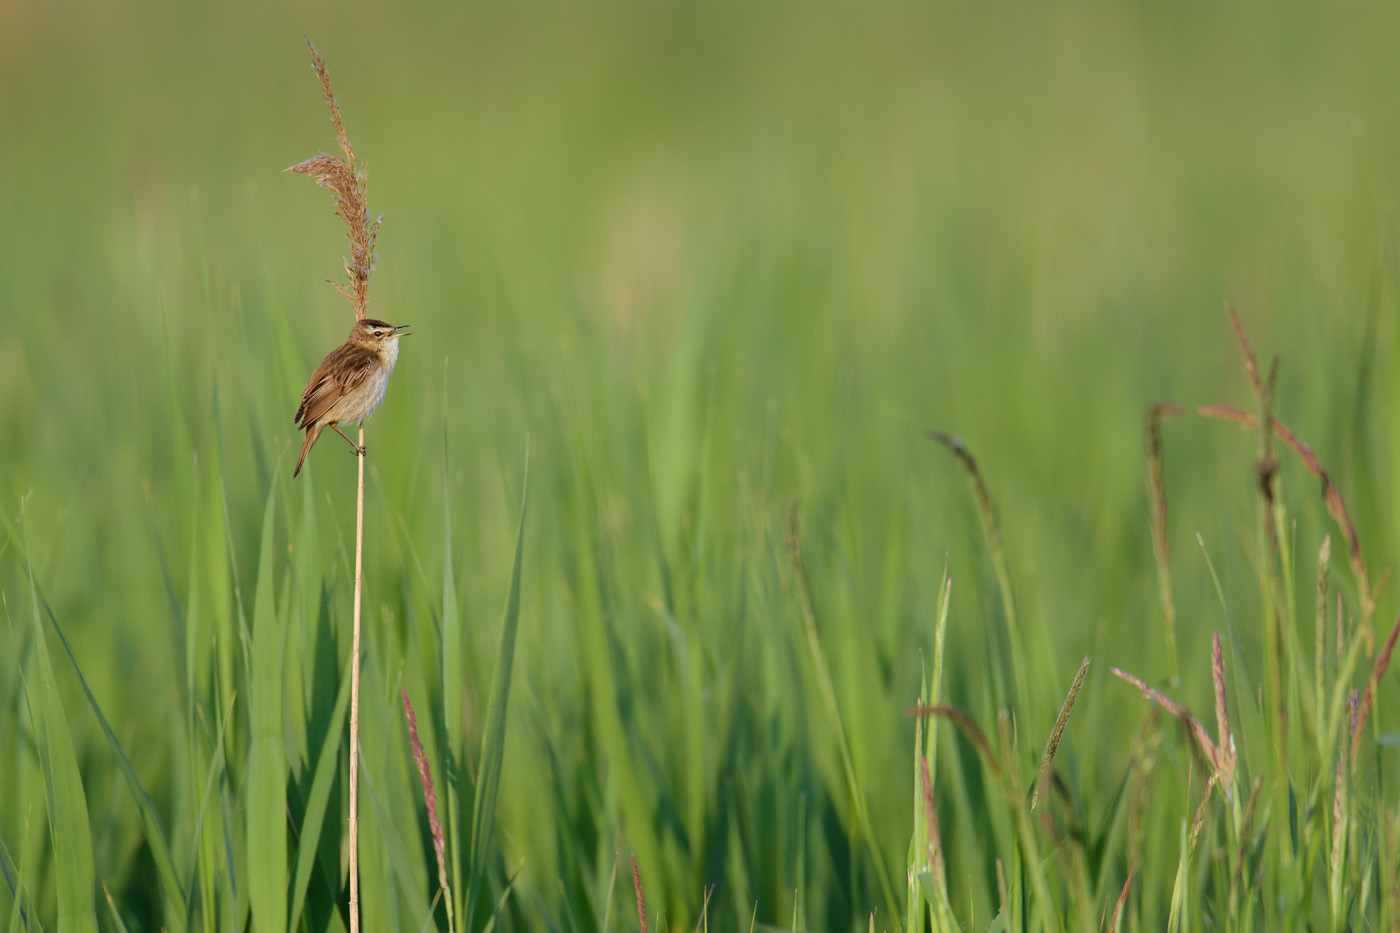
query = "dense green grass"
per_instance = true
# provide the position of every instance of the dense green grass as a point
(713, 267)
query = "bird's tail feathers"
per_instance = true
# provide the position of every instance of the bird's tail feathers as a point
(313, 432)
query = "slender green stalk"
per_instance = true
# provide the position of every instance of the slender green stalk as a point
(827, 688)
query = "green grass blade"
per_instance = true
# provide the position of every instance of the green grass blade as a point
(821, 670)
(392, 859)
(493, 738)
(71, 834)
(117, 921)
(266, 790)
(322, 782)
(919, 882)
(150, 819)
(923, 888)
(211, 868)
(13, 880)
(1179, 904)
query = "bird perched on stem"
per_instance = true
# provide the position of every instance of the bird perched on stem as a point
(350, 382)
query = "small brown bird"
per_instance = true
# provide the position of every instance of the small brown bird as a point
(350, 382)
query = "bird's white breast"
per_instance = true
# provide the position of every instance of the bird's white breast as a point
(358, 406)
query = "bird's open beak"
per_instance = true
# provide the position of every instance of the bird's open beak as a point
(401, 330)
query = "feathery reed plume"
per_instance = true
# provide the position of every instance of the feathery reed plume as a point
(348, 181)
(425, 774)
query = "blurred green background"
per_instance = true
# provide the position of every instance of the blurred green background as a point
(703, 260)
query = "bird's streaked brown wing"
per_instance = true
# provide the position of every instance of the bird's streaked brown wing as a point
(343, 369)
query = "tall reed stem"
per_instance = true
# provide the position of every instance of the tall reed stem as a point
(355, 700)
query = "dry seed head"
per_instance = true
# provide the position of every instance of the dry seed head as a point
(348, 181)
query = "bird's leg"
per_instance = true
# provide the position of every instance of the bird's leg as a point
(359, 451)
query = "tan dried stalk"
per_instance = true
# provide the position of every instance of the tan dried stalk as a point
(348, 181)
(355, 697)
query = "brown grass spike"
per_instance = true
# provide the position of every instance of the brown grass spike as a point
(425, 774)
(1377, 672)
(1324, 564)
(1331, 497)
(1198, 821)
(1268, 463)
(637, 886)
(1339, 812)
(1225, 753)
(1157, 496)
(1267, 474)
(935, 840)
(964, 722)
(1122, 902)
(1219, 758)
(997, 552)
(1251, 365)
(1242, 851)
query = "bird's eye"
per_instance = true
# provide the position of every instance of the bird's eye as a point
(379, 333)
